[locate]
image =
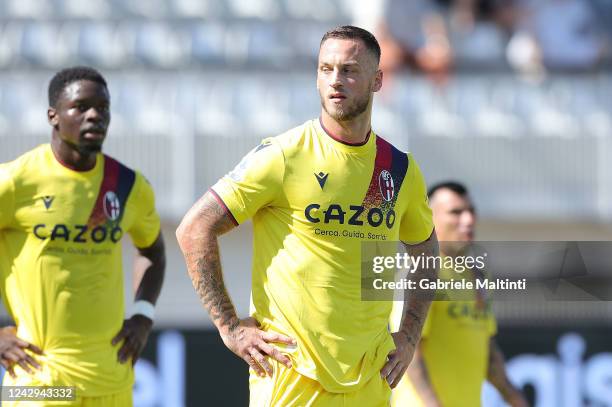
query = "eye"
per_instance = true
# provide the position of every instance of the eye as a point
(325, 69)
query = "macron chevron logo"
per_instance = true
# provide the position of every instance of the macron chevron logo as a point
(48, 200)
(322, 178)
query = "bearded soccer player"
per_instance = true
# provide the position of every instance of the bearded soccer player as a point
(458, 350)
(64, 208)
(312, 192)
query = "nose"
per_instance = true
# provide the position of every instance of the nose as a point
(468, 218)
(94, 115)
(334, 79)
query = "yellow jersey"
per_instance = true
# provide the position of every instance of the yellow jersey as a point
(314, 200)
(455, 348)
(61, 273)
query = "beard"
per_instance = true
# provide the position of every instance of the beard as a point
(85, 148)
(351, 111)
(90, 149)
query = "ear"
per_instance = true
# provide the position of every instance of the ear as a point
(378, 81)
(52, 117)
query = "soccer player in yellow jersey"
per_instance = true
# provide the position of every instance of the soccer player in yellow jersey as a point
(64, 208)
(457, 351)
(315, 193)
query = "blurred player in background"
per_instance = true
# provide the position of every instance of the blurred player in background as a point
(64, 208)
(457, 351)
(314, 194)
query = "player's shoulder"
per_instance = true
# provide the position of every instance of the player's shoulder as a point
(126, 175)
(405, 159)
(384, 144)
(27, 162)
(124, 169)
(117, 164)
(294, 138)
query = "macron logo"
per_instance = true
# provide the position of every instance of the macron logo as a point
(322, 178)
(48, 200)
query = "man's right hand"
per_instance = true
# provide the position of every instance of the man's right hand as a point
(253, 345)
(13, 351)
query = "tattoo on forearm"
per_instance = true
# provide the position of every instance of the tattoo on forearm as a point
(417, 305)
(417, 318)
(205, 271)
(412, 323)
(204, 263)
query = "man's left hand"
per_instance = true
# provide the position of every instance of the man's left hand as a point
(397, 360)
(134, 334)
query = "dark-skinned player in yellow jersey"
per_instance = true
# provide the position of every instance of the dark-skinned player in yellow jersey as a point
(64, 208)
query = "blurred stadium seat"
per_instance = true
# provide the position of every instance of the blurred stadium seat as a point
(18, 9)
(160, 45)
(103, 44)
(10, 37)
(38, 45)
(80, 9)
(260, 9)
(208, 43)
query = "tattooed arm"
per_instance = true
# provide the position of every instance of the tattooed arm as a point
(415, 311)
(197, 236)
(419, 376)
(496, 375)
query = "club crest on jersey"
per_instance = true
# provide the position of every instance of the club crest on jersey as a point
(387, 189)
(112, 206)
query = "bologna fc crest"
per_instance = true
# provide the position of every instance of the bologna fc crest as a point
(385, 181)
(112, 206)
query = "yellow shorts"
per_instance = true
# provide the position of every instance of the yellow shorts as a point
(121, 399)
(288, 388)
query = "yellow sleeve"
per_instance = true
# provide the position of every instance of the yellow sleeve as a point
(7, 197)
(147, 225)
(254, 183)
(416, 224)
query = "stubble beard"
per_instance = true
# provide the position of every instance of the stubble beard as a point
(350, 112)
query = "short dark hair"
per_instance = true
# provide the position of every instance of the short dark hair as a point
(350, 32)
(454, 186)
(66, 76)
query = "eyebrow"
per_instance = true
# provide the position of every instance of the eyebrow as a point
(348, 63)
(91, 101)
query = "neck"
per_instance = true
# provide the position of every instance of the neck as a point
(354, 131)
(70, 157)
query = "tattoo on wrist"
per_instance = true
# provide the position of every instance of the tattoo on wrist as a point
(409, 338)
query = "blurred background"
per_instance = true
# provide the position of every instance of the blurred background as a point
(511, 97)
